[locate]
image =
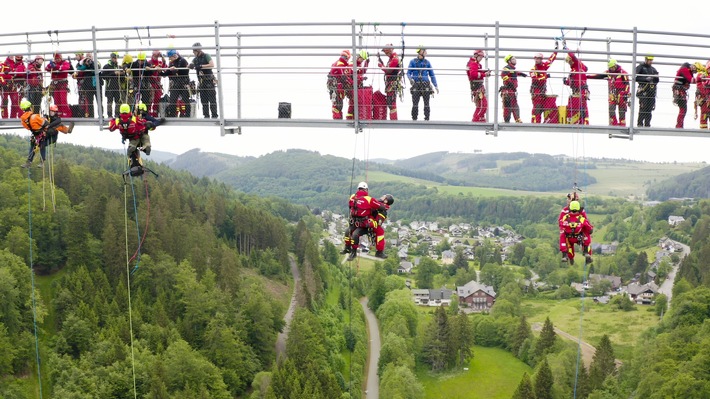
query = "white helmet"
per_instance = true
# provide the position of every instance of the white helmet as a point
(362, 186)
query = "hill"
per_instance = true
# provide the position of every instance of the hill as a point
(694, 185)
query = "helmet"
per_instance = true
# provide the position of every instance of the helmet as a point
(568, 59)
(124, 109)
(54, 108)
(114, 55)
(127, 59)
(649, 57)
(197, 46)
(142, 107)
(508, 58)
(388, 47)
(345, 54)
(141, 56)
(574, 206)
(25, 104)
(421, 49)
(362, 186)
(363, 54)
(39, 57)
(172, 52)
(479, 52)
(18, 57)
(388, 199)
(699, 66)
(57, 56)
(538, 55)
(612, 63)
(156, 53)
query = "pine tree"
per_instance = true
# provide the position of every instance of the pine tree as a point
(546, 340)
(543, 381)
(603, 363)
(525, 389)
(436, 348)
(461, 338)
(520, 335)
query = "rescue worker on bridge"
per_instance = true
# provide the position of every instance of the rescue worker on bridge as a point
(154, 71)
(141, 79)
(12, 83)
(203, 65)
(38, 127)
(35, 83)
(684, 77)
(575, 228)
(336, 83)
(179, 75)
(538, 84)
(619, 88)
(702, 94)
(59, 86)
(86, 83)
(647, 79)
(362, 61)
(135, 130)
(577, 111)
(476, 76)
(419, 73)
(393, 78)
(509, 89)
(361, 213)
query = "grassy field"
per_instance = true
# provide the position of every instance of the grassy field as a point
(623, 328)
(492, 374)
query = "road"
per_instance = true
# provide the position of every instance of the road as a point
(667, 285)
(283, 335)
(372, 383)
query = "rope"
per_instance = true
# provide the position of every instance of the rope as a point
(137, 254)
(128, 278)
(32, 274)
(51, 176)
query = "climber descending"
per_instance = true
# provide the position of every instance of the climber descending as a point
(135, 129)
(575, 229)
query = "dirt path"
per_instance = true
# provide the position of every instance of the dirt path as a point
(281, 339)
(587, 349)
(372, 384)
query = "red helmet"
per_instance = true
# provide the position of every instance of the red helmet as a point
(54, 108)
(156, 53)
(479, 52)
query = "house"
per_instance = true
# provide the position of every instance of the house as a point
(447, 257)
(615, 280)
(421, 297)
(476, 296)
(405, 267)
(642, 294)
(440, 297)
(609, 249)
(601, 299)
(455, 231)
(651, 275)
(675, 220)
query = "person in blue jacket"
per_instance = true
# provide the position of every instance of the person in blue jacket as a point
(419, 73)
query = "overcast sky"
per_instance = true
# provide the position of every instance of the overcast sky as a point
(393, 144)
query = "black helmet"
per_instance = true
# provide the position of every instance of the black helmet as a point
(388, 199)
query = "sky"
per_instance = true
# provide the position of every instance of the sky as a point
(395, 143)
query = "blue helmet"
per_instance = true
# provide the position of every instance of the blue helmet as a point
(172, 53)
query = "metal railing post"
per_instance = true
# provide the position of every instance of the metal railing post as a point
(495, 85)
(97, 71)
(632, 94)
(218, 73)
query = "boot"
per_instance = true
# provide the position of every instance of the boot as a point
(70, 128)
(565, 258)
(588, 258)
(380, 254)
(345, 250)
(353, 254)
(26, 164)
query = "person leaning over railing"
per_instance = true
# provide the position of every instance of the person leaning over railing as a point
(681, 84)
(647, 79)
(154, 70)
(206, 81)
(179, 76)
(59, 86)
(618, 80)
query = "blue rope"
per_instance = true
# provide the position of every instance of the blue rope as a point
(32, 273)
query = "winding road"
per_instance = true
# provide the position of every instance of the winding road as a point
(667, 285)
(283, 335)
(372, 383)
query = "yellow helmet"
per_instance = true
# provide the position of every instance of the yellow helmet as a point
(141, 56)
(363, 54)
(142, 107)
(508, 58)
(127, 59)
(612, 63)
(25, 104)
(574, 206)
(124, 109)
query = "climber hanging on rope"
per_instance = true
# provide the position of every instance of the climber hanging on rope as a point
(38, 126)
(361, 213)
(575, 228)
(377, 231)
(135, 129)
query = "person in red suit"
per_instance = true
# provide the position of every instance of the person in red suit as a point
(573, 196)
(681, 84)
(575, 228)
(12, 81)
(619, 89)
(336, 83)
(361, 211)
(60, 69)
(509, 89)
(378, 219)
(154, 70)
(362, 62)
(134, 129)
(577, 111)
(392, 78)
(538, 84)
(476, 75)
(702, 94)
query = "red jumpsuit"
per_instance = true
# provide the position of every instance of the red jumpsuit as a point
(538, 87)
(575, 229)
(577, 112)
(361, 209)
(134, 129)
(154, 77)
(476, 75)
(9, 86)
(336, 85)
(361, 71)
(702, 98)
(392, 81)
(619, 89)
(60, 86)
(509, 93)
(683, 79)
(379, 218)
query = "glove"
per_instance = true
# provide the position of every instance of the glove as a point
(411, 82)
(565, 81)
(523, 74)
(437, 90)
(557, 45)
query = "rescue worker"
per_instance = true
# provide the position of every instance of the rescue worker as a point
(206, 81)
(573, 196)
(702, 94)
(86, 82)
(476, 75)
(361, 207)
(110, 74)
(420, 73)
(142, 112)
(393, 78)
(619, 88)
(179, 78)
(55, 125)
(577, 111)
(59, 86)
(38, 127)
(377, 230)
(135, 130)
(13, 74)
(362, 61)
(336, 83)
(681, 84)
(141, 81)
(155, 68)
(35, 83)
(575, 228)
(647, 79)
(126, 89)
(509, 89)
(538, 84)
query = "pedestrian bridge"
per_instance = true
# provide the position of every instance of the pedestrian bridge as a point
(261, 65)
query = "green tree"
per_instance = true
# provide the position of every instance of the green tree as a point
(461, 338)
(603, 363)
(547, 339)
(460, 260)
(426, 271)
(525, 389)
(661, 304)
(395, 351)
(400, 382)
(543, 381)
(436, 347)
(522, 332)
